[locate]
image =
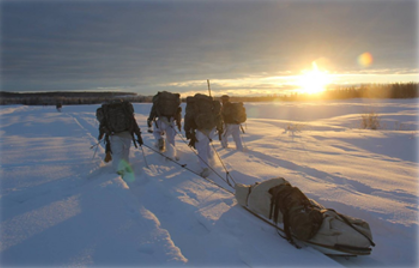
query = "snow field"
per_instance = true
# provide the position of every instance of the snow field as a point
(62, 206)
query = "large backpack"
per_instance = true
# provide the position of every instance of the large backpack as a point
(116, 116)
(166, 103)
(300, 217)
(202, 112)
(234, 113)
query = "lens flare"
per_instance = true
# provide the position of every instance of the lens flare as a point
(365, 59)
(127, 169)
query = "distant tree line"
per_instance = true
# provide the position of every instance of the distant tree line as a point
(379, 91)
(337, 92)
(68, 98)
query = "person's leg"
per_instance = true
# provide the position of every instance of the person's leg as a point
(210, 152)
(224, 136)
(124, 166)
(201, 146)
(170, 132)
(170, 139)
(117, 151)
(158, 131)
(126, 148)
(237, 137)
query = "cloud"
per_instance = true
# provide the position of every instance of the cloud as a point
(146, 45)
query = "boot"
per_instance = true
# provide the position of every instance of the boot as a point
(161, 145)
(108, 157)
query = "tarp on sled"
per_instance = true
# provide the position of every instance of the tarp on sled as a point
(336, 231)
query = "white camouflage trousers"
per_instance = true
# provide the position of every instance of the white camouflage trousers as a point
(120, 147)
(165, 127)
(203, 147)
(234, 131)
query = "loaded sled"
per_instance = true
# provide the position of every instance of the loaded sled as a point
(302, 221)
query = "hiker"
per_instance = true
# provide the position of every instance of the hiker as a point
(59, 106)
(202, 120)
(118, 126)
(233, 115)
(164, 115)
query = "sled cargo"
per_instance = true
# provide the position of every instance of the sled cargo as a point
(338, 235)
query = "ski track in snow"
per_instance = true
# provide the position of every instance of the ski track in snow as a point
(62, 207)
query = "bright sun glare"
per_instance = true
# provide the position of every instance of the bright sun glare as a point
(313, 81)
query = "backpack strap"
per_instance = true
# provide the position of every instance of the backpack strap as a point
(276, 193)
(277, 205)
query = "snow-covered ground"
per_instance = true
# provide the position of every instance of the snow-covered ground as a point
(61, 205)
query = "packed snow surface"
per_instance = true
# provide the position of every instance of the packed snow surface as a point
(61, 205)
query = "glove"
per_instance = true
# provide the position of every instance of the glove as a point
(140, 140)
(149, 123)
(220, 132)
(192, 143)
(193, 139)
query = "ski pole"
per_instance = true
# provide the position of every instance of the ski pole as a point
(145, 159)
(97, 146)
(209, 87)
(91, 147)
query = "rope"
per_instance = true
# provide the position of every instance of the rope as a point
(184, 166)
(225, 168)
(215, 172)
(145, 159)
(241, 136)
(351, 225)
(278, 229)
(97, 146)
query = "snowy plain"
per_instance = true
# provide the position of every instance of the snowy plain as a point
(61, 205)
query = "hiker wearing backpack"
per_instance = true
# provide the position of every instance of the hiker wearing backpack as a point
(164, 115)
(59, 106)
(118, 125)
(202, 120)
(233, 115)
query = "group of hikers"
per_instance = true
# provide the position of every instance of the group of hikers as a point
(275, 199)
(204, 117)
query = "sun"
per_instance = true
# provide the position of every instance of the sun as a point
(313, 81)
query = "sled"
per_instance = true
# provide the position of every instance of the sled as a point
(338, 235)
(336, 250)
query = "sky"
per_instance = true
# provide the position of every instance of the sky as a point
(242, 47)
